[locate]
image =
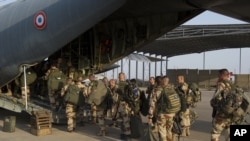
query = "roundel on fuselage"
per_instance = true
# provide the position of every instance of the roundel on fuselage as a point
(40, 20)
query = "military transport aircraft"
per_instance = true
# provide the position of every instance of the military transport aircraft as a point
(91, 34)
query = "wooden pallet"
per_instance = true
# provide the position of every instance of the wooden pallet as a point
(41, 123)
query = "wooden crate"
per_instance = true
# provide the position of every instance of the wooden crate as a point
(41, 123)
(41, 132)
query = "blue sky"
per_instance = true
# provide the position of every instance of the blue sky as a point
(213, 59)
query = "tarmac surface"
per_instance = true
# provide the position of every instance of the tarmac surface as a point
(200, 130)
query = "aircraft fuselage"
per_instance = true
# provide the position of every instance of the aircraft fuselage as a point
(32, 30)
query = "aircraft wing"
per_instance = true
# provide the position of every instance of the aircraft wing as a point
(238, 9)
(189, 39)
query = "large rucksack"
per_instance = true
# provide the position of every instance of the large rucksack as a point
(169, 101)
(195, 94)
(56, 80)
(235, 105)
(98, 94)
(31, 77)
(74, 95)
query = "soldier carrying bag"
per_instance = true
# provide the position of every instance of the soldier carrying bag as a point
(98, 94)
(235, 105)
(74, 95)
(56, 80)
(169, 101)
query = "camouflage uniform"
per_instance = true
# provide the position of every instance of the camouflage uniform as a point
(185, 114)
(92, 86)
(51, 90)
(101, 117)
(115, 102)
(220, 120)
(81, 108)
(70, 107)
(71, 116)
(30, 78)
(164, 120)
(124, 109)
(23, 93)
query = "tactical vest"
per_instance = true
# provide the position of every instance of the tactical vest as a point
(169, 101)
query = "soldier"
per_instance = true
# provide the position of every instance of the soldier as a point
(113, 90)
(124, 109)
(107, 111)
(102, 108)
(91, 87)
(73, 90)
(150, 86)
(54, 77)
(168, 104)
(157, 89)
(69, 81)
(31, 76)
(105, 81)
(133, 98)
(184, 92)
(221, 122)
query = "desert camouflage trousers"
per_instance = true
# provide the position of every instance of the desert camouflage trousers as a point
(185, 122)
(24, 94)
(101, 119)
(218, 125)
(71, 116)
(93, 112)
(165, 125)
(53, 98)
(125, 111)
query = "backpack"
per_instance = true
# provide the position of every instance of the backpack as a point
(132, 96)
(195, 93)
(169, 101)
(74, 95)
(56, 80)
(31, 77)
(235, 105)
(98, 93)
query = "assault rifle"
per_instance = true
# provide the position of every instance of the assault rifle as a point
(117, 106)
(177, 127)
